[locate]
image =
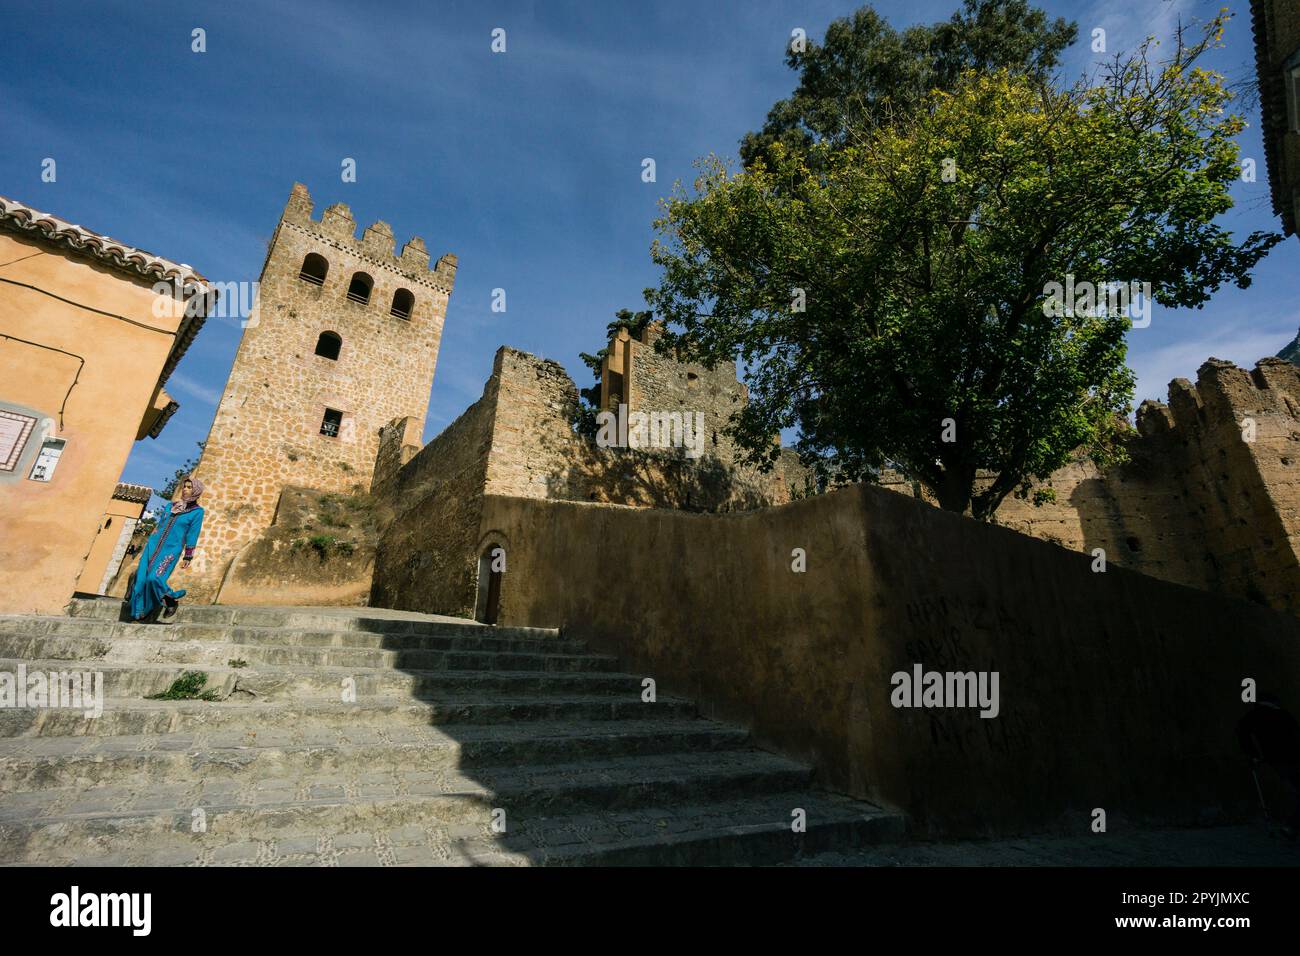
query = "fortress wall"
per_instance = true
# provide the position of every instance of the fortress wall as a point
(1117, 690)
(1198, 504)
(427, 557)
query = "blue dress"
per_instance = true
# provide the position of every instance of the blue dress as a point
(176, 535)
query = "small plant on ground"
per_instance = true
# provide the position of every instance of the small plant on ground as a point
(189, 686)
(236, 662)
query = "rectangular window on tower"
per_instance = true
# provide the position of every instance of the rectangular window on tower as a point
(331, 423)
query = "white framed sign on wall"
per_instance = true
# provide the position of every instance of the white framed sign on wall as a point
(15, 430)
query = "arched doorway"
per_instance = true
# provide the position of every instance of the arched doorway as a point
(491, 564)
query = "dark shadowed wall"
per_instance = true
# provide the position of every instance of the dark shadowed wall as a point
(1117, 690)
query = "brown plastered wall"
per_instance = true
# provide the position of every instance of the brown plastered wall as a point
(115, 529)
(266, 431)
(1197, 504)
(47, 529)
(1117, 690)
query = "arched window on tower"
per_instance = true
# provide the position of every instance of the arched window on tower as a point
(359, 288)
(329, 344)
(314, 269)
(403, 304)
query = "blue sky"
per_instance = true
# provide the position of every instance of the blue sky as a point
(527, 164)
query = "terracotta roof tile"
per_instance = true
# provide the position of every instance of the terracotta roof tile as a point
(20, 217)
(23, 218)
(136, 493)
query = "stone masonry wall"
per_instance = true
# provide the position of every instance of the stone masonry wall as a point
(399, 442)
(427, 555)
(660, 383)
(1198, 504)
(537, 453)
(519, 440)
(267, 432)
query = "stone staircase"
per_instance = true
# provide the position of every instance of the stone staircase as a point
(456, 729)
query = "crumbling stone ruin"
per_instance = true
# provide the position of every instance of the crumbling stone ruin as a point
(1210, 497)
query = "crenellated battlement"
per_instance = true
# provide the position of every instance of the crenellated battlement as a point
(1223, 395)
(337, 227)
(343, 343)
(1210, 497)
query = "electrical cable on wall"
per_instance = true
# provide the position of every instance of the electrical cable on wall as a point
(76, 378)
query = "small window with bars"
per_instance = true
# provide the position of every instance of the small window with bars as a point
(331, 423)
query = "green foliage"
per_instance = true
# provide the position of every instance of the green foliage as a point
(189, 686)
(924, 292)
(1044, 496)
(236, 662)
(865, 71)
(324, 545)
(168, 490)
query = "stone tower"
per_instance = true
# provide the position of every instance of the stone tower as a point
(342, 340)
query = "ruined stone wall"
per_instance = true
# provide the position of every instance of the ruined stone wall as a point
(399, 442)
(538, 454)
(519, 440)
(427, 557)
(267, 432)
(1116, 690)
(1277, 41)
(1198, 504)
(661, 383)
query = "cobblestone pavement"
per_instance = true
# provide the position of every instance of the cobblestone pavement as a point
(1213, 846)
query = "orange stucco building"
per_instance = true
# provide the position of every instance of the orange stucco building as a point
(113, 540)
(86, 345)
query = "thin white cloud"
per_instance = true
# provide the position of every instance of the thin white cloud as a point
(1230, 341)
(184, 383)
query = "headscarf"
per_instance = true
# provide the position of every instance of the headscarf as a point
(183, 503)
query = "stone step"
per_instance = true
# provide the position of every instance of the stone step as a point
(452, 720)
(88, 651)
(374, 620)
(68, 824)
(137, 716)
(280, 683)
(34, 763)
(440, 637)
(741, 831)
(755, 832)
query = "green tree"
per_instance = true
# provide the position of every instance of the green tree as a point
(890, 297)
(865, 70)
(169, 489)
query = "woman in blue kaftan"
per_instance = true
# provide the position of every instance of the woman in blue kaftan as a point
(171, 543)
